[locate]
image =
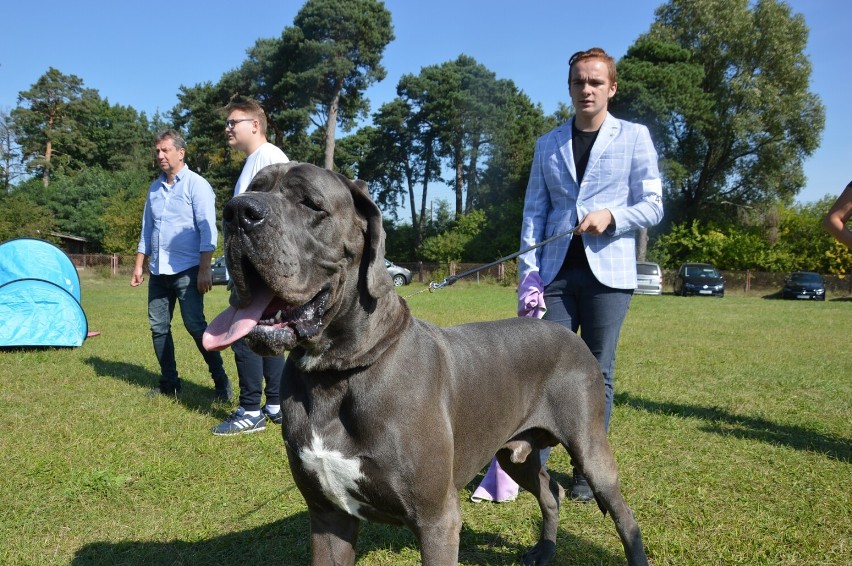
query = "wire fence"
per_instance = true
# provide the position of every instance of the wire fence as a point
(505, 273)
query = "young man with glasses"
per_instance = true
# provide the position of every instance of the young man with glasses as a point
(246, 131)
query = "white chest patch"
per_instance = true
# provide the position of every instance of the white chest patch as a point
(338, 475)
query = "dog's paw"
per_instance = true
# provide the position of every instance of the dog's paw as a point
(540, 554)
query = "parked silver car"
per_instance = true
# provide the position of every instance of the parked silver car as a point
(400, 275)
(220, 271)
(649, 278)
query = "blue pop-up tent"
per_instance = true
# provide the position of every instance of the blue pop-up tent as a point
(39, 296)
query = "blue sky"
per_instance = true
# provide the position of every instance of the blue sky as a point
(140, 53)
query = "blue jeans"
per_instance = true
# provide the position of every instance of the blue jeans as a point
(251, 369)
(578, 301)
(163, 292)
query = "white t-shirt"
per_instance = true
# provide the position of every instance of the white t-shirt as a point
(267, 154)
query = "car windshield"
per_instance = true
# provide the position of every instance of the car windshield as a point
(698, 271)
(647, 269)
(806, 278)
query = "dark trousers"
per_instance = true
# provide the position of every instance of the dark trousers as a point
(252, 369)
(164, 291)
(578, 301)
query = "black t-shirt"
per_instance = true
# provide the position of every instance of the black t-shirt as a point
(581, 145)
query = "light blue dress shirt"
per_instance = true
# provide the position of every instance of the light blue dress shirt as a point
(179, 223)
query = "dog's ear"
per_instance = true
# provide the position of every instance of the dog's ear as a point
(378, 279)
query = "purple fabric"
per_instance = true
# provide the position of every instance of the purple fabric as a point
(531, 296)
(497, 486)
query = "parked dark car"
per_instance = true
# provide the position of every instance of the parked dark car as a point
(699, 279)
(400, 275)
(220, 271)
(649, 278)
(805, 285)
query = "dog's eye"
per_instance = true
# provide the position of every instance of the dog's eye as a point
(308, 203)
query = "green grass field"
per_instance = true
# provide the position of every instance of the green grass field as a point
(732, 428)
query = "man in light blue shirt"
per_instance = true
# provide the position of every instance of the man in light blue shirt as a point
(179, 237)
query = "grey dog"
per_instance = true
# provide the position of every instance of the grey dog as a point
(386, 416)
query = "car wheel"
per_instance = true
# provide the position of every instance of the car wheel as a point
(398, 280)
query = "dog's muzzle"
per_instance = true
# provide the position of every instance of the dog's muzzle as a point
(269, 324)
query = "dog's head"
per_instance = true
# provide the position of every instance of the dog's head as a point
(304, 246)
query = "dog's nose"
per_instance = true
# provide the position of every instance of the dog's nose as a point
(246, 213)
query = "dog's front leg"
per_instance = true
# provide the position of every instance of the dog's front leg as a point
(333, 538)
(437, 531)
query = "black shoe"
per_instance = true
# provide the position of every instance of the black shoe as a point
(160, 390)
(224, 394)
(580, 490)
(277, 418)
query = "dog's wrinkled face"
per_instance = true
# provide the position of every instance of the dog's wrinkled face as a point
(290, 242)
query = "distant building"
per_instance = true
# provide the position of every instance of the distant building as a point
(71, 244)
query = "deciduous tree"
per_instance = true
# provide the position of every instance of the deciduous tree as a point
(22, 217)
(723, 85)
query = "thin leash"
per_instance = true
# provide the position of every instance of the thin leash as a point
(447, 281)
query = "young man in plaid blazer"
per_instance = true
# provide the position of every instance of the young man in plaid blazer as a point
(598, 175)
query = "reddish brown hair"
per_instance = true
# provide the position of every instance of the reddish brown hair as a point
(593, 53)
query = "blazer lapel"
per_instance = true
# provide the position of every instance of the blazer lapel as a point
(609, 130)
(564, 139)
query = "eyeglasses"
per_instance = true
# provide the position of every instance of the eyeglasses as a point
(229, 124)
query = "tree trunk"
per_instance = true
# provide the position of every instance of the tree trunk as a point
(48, 152)
(641, 244)
(459, 188)
(471, 179)
(413, 205)
(330, 128)
(421, 226)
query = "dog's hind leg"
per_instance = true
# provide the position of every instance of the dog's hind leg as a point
(531, 475)
(598, 465)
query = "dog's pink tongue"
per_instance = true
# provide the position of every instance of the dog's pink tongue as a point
(232, 324)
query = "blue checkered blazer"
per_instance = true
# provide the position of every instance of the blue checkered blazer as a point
(622, 176)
